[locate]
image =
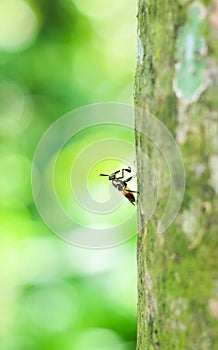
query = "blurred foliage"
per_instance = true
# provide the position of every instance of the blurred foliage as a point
(57, 55)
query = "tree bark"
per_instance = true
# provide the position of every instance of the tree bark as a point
(177, 81)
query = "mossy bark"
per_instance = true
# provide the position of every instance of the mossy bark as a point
(178, 271)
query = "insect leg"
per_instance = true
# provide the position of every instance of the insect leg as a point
(129, 171)
(130, 178)
(132, 191)
(116, 172)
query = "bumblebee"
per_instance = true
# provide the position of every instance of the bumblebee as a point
(121, 185)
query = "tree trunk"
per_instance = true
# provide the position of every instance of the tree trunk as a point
(177, 81)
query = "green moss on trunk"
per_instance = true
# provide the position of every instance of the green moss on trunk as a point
(177, 272)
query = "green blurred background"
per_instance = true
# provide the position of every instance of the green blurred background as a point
(55, 56)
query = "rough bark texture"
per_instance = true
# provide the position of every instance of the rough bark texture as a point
(178, 271)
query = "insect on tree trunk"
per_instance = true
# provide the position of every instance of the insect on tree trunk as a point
(177, 81)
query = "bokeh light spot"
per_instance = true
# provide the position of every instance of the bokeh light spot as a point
(52, 306)
(98, 339)
(98, 9)
(16, 109)
(18, 25)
